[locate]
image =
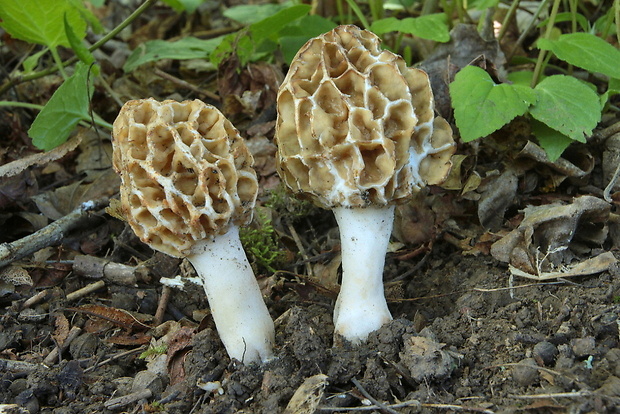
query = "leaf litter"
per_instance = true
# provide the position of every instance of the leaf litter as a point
(463, 331)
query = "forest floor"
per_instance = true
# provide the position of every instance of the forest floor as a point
(503, 282)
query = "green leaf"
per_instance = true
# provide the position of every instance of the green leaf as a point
(553, 142)
(568, 17)
(31, 62)
(78, 47)
(586, 51)
(252, 13)
(432, 26)
(41, 21)
(273, 24)
(294, 35)
(567, 105)
(186, 48)
(482, 106)
(482, 4)
(67, 106)
(88, 16)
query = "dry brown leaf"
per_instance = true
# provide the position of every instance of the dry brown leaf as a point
(19, 165)
(307, 397)
(118, 317)
(61, 330)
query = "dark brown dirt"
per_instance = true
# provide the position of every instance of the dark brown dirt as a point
(476, 344)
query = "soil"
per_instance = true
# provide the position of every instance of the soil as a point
(463, 339)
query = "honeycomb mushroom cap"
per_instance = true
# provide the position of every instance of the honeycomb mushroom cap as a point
(186, 173)
(356, 126)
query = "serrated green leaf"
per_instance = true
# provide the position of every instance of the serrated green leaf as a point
(67, 106)
(186, 48)
(78, 47)
(482, 106)
(41, 21)
(553, 142)
(252, 13)
(567, 105)
(586, 51)
(88, 16)
(432, 26)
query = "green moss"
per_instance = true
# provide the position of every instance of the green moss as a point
(288, 207)
(261, 243)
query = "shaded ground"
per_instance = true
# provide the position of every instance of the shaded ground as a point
(475, 344)
(467, 335)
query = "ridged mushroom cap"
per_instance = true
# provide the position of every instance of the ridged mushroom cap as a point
(186, 173)
(356, 126)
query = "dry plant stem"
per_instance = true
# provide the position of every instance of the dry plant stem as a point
(364, 236)
(187, 85)
(88, 289)
(49, 235)
(239, 311)
(162, 305)
(373, 400)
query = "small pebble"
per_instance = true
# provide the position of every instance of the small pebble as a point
(583, 347)
(523, 374)
(545, 353)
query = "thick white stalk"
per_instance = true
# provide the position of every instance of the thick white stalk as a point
(239, 311)
(364, 236)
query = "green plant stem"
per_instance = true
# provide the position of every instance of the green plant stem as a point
(617, 12)
(358, 13)
(86, 122)
(507, 19)
(58, 61)
(541, 57)
(143, 7)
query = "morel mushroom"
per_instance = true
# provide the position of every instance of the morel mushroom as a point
(356, 133)
(187, 184)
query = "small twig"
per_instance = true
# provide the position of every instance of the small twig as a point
(410, 403)
(18, 366)
(485, 290)
(115, 357)
(300, 247)
(120, 402)
(372, 399)
(49, 235)
(97, 268)
(162, 305)
(575, 394)
(59, 349)
(186, 85)
(85, 290)
(33, 300)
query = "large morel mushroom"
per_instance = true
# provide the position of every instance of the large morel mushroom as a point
(187, 184)
(356, 133)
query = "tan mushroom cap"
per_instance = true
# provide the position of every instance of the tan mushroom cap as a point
(356, 126)
(186, 173)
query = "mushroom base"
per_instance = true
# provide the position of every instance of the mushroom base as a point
(364, 236)
(239, 311)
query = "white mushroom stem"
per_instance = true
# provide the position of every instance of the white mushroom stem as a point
(240, 314)
(364, 236)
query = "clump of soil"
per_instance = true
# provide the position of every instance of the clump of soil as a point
(477, 343)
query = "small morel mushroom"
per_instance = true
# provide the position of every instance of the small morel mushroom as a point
(356, 133)
(187, 184)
